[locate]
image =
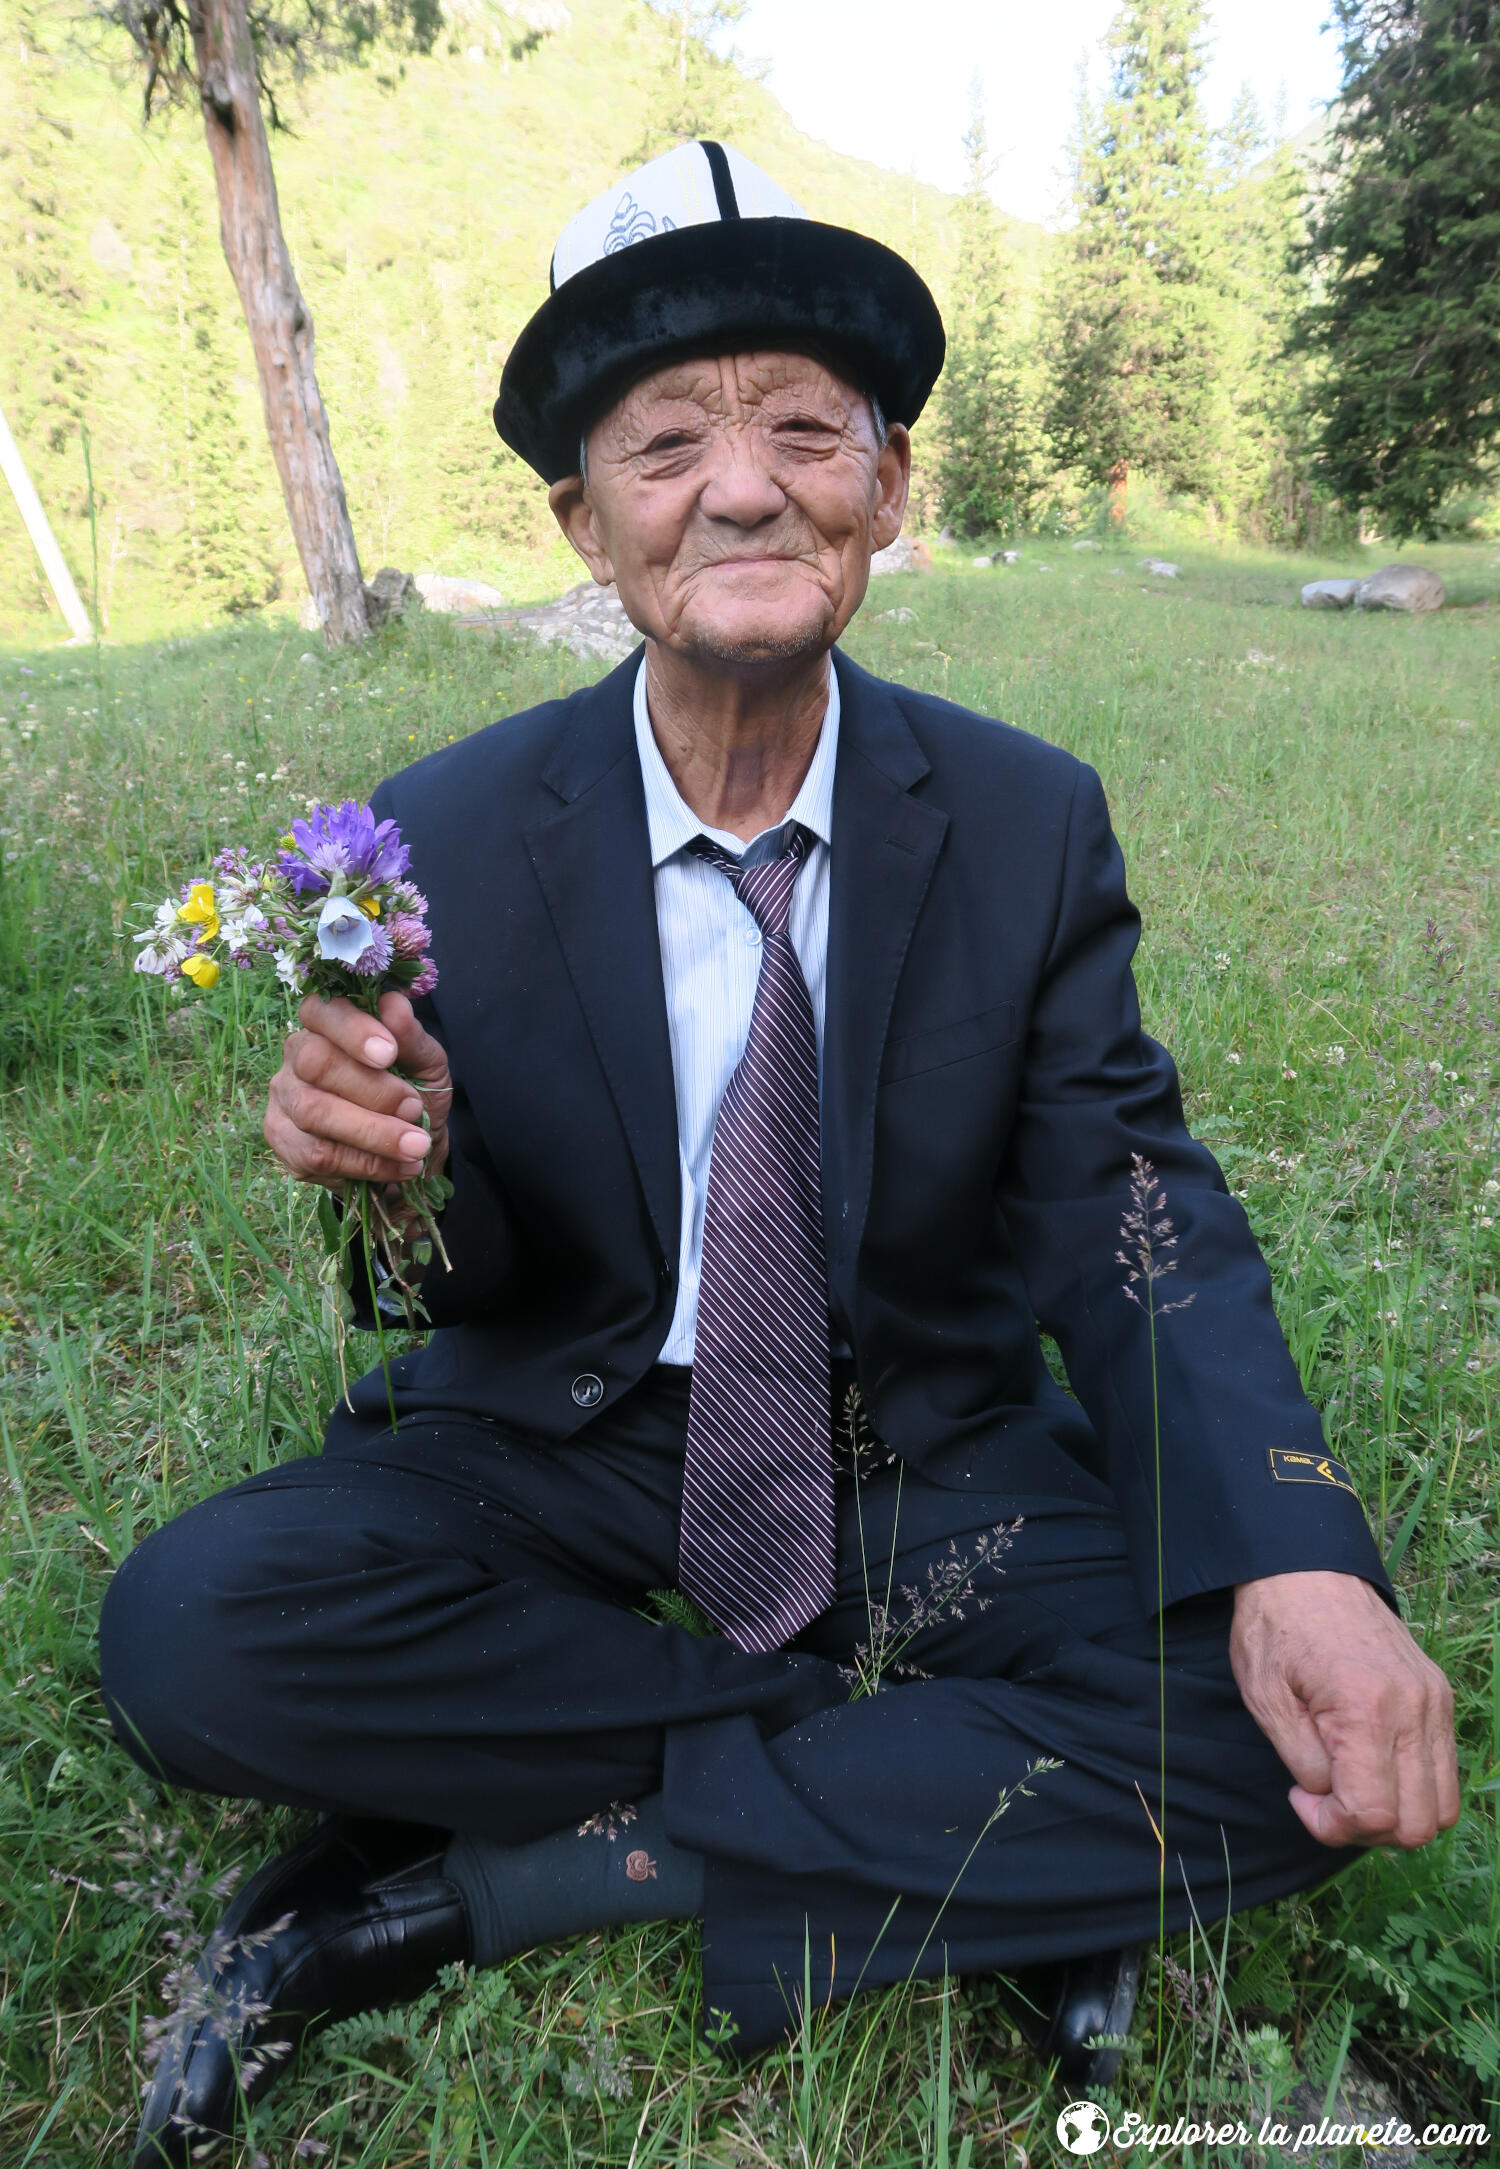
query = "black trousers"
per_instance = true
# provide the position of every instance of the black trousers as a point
(441, 1625)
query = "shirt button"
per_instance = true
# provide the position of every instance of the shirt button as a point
(588, 1391)
(752, 936)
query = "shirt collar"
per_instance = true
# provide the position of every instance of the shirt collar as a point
(671, 822)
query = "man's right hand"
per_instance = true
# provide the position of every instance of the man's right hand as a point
(336, 1114)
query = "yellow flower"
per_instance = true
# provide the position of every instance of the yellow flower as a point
(202, 970)
(201, 911)
(370, 905)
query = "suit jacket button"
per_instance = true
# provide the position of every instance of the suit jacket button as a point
(588, 1391)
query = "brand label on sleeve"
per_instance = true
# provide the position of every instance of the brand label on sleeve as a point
(1289, 1467)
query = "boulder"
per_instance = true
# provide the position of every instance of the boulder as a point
(986, 560)
(1088, 545)
(1400, 587)
(1163, 568)
(442, 591)
(589, 619)
(902, 555)
(1010, 557)
(1329, 594)
(391, 594)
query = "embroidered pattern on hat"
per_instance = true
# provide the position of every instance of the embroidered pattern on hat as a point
(633, 222)
(1297, 1468)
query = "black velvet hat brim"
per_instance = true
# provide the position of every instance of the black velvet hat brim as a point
(723, 287)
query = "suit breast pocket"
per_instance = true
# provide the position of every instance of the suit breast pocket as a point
(945, 1043)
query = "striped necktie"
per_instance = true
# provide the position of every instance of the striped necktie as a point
(757, 1539)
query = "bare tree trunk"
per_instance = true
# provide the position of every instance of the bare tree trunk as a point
(281, 330)
(1116, 481)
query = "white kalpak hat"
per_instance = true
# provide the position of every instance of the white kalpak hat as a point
(700, 252)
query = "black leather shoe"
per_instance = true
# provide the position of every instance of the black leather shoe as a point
(358, 1916)
(1069, 2005)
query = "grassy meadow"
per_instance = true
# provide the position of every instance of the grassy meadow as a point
(1308, 806)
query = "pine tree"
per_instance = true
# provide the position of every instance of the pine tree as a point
(1265, 462)
(696, 92)
(42, 287)
(988, 461)
(1406, 328)
(227, 547)
(1137, 324)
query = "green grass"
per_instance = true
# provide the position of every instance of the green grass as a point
(1298, 797)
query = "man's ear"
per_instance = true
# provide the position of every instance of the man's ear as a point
(574, 514)
(892, 481)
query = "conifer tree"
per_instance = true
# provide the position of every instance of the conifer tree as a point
(42, 286)
(1259, 214)
(696, 92)
(1137, 329)
(1406, 326)
(226, 547)
(988, 464)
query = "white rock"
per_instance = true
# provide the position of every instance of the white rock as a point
(443, 591)
(1088, 545)
(1161, 566)
(1328, 594)
(1400, 587)
(900, 616)
(589, 619)
(898, 556)
(981, 561)
(1010, 557)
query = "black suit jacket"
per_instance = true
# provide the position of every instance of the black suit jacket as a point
(985, 1084)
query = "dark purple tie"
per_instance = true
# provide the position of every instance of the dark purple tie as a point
(757, 1542)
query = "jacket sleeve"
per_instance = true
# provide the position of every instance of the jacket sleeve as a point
(1214, 1453)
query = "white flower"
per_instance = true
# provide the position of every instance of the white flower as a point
(1335, 1056)
(165, 942)
(288, 970)
(344, 932)
(240, 928)
(1234, 1058)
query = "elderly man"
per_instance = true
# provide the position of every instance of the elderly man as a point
(787, 1066)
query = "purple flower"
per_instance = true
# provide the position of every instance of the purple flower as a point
(344, 840)
(374, 961)
(409, 934)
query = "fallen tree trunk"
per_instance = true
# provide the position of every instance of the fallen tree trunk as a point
(280, 323)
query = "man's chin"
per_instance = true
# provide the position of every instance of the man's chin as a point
(753, 643)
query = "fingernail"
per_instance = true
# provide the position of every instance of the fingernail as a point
(379, 1050)
(409, 1111)
(415, 1145)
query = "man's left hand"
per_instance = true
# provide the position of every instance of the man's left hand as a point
(1361, 1718)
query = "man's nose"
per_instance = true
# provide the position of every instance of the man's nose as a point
(741, 489)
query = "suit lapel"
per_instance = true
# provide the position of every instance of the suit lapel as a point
(885, 845)
(593, 860)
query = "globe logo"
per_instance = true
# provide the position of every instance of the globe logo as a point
(1082, 2127)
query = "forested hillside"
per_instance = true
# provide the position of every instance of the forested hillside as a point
(421, 218)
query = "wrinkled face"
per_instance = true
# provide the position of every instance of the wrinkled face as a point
(736, 502)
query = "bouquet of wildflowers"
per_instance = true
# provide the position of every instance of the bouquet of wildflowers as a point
(333, 911)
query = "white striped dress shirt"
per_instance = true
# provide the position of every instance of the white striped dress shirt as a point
(710, 960)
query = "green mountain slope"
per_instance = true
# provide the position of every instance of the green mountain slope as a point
(421, 220)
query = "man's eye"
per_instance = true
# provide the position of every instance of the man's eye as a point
(672, 440)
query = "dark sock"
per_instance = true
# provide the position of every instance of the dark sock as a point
(620, 1867)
